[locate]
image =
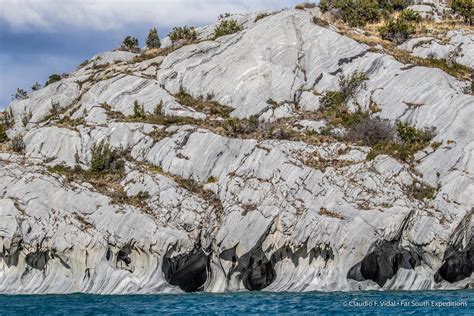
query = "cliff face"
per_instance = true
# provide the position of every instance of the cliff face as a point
(201, 206)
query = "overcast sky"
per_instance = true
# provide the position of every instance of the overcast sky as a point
(41, 37)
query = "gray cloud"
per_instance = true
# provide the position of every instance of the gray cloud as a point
(53, 15)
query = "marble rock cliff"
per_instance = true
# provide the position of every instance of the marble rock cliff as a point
(198, 203)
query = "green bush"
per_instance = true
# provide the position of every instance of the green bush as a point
(410, 15)
(357, 13)
(410, 135)
(394, 5)
(324, 5)
(227, 27)
(465, 8)
(183, 33)
(153, 40)
(105, 158)
(130, 43)
(53, 78)
(397, 31)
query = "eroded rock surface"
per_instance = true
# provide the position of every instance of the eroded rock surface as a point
(197, 209)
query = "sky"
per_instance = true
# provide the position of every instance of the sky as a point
(42, 37)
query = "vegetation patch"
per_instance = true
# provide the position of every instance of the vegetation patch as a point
(130, 44)
(184, 33)
(305, 5)
(105, 159)
(401, 141)
(421, 191)
(3, 133)
(465, 9)
(227, 27)
(204, 105)
(52, 79)
(324, 212)
(397, 30)
(261, 16)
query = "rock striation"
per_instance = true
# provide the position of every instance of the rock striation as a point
(200, 210)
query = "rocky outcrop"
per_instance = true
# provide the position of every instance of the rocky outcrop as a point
(199, 209)
(456, 46)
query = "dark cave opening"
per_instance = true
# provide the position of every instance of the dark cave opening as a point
(187, 271)
(259, 275)
(383, 263)
(457, 267)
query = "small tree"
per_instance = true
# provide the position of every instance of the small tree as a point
(465, 8)
(36, 86)
(130, 43)
(53, 78)
(20, 94)
(153, 40)
(138, 110)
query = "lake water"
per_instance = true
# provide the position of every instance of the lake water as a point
(433, 302)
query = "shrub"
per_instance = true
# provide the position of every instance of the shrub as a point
(105, 158)
(183, 33)
(138, 110)
(53, 78)
(397, 31)
(393, 5)
(410, 15)
(261, 16)
(371, 131)
(3, 133)
(465, 8)
(130, 43)
(227, 27)
(235, 127)
(358, 13)
(158, 108)
(305, 5)
(421, 191)
(410, 135)
(153, 40)
(36, 86)
(18, 145)
(352, 84)
(410, 141)
(349, 87)
(335, 101)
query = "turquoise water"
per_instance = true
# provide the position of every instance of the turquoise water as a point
(440, 302)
